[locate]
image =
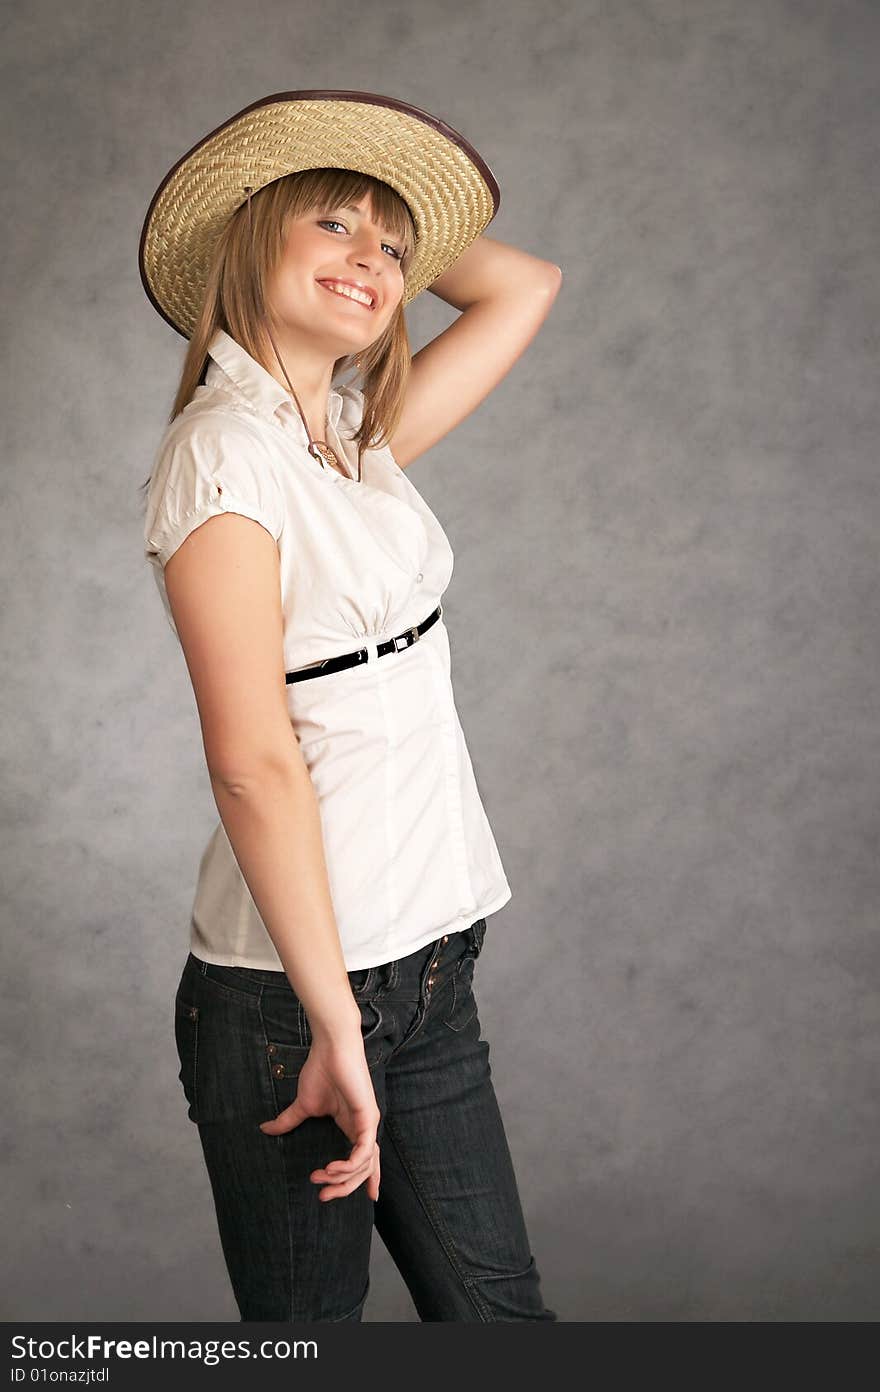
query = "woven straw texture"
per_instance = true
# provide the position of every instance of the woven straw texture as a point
(448, 197)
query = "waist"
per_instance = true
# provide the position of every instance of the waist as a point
(359, 656)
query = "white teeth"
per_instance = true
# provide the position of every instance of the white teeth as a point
(349, 292)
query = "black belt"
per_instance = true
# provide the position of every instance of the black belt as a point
(353, 659)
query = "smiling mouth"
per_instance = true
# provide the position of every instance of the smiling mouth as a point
(341, 295)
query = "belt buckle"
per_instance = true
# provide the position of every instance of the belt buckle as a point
(401, 642)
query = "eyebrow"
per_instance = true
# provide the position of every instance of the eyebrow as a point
(353, 208)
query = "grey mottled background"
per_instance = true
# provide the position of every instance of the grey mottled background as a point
(664, 623)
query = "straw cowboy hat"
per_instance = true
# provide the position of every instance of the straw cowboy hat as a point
(449, 189)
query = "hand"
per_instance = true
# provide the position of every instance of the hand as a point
(335, 1081)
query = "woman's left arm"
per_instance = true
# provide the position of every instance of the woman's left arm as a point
(504, 295)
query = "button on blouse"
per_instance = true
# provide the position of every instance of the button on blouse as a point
(410, 853)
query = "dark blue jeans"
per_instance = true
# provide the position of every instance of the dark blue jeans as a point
(448, 1209)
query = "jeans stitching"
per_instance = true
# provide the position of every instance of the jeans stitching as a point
(437, 1224)
(459, 992)
(195, 1072)
(231, 991)
(302, 1025)
(267, 1065)
(356, 1306)
(281, 1151)
(506, 1275)
(423, 1006)
(190, 1023)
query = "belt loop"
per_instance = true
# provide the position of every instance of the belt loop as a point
(371, 644)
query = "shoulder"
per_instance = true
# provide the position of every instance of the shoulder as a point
(205, 438)
(210, 460)
(212, 423)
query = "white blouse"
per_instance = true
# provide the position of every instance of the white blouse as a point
(409, 850)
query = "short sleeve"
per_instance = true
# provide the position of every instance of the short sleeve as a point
(213, 467)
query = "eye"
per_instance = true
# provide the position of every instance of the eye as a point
(332, 222)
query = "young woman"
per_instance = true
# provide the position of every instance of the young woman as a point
(329, 1044)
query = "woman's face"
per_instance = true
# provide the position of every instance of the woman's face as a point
(326, 246)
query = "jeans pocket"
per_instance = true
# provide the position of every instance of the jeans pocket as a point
(286, 1059)
(286, 1025)
(285, 1065)
(372, 1030)
(186, 1037)
(223, 1066)
(462, 1006)
(476, 935)
(230, 981)
(361, 981)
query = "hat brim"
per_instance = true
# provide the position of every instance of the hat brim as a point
(451, 192)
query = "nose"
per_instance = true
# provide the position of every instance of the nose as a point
(367, 252)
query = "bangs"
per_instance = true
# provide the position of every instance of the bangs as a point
(327, 189)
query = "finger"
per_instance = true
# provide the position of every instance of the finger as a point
(285, 1121)
(373, 1182)
(343, 1169)
(339, 1191)
(341, 1188)
(328, 1176)
(361, 1154)
(361, 1159)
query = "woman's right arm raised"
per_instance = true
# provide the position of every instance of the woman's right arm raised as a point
(224, 590)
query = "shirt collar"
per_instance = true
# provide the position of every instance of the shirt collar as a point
(233, 363)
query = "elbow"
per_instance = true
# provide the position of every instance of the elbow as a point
(548, 283)
(256, 772)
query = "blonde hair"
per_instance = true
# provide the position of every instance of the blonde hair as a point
(242, 265)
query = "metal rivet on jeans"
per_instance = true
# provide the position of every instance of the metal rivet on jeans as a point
(278, 1070)
(193, 1012)
(271, 1049)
